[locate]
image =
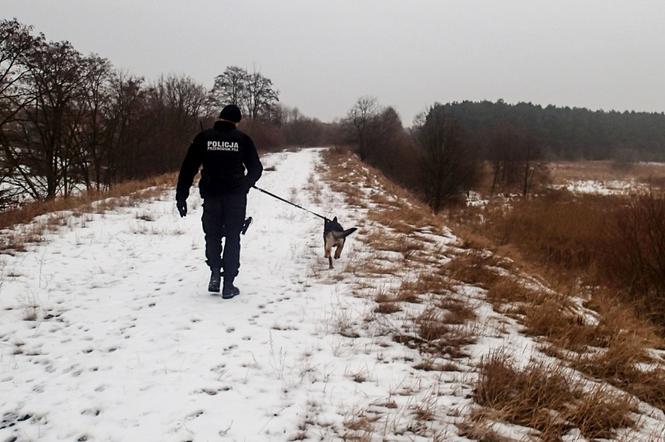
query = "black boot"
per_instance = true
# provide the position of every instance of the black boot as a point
(229, 291)
(215, 280)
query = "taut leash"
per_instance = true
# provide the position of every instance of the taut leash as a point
(289, 202)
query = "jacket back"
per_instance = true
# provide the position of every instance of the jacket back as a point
(223, 153)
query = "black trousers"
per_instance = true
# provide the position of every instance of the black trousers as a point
(223, 216)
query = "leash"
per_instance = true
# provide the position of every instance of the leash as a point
(289, 202)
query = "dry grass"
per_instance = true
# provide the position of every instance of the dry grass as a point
(477, 428)
(563, 171)
(361, 422)
(386, 241)
(547, 236)
(405, 219)
(27, 212)
(456, 310)
(608, 349)
(425, 410)
(507, 290)
(564, 240)
(438, 336)
(618, 365)
(28, 231)
(610, 241)
(374, 266)
(426, 283)
(549, 399)
(472, 268)
(398, 216)
(387, 308)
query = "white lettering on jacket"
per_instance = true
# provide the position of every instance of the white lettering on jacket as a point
(225, 146)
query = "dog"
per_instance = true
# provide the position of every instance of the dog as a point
(334, 235)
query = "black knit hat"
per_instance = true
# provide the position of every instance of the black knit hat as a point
(231, 113)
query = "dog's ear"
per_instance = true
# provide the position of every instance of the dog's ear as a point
(335, 219)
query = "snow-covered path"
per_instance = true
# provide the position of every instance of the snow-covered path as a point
(128, 345)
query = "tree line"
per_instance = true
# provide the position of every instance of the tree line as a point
(72, 122)
(452, 147)
(438, 157)
(566, 133)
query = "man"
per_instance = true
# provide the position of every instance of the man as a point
(225, 153)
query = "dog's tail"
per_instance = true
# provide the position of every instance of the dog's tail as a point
(344, 234)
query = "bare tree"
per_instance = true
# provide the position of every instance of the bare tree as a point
(252, 92)
(230, 87)
(513, 154)
(91, 131)
(361, 117)
(16, 42)
(123, 136)
(449, 163)
(68, 120)
(261, 96)
(56, 76)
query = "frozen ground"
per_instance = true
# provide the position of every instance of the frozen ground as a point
(607, 187)
(128, 345)
(107, 332)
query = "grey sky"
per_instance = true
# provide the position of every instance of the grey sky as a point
(322, 55)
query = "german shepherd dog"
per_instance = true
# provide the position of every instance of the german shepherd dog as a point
(334, 235)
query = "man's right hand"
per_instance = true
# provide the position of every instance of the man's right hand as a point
(182, 207)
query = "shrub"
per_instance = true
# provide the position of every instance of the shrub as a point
(634, 253)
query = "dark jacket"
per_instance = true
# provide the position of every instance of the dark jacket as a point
(225, 153)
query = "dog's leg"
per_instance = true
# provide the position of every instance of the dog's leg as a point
(338, 250)
(330, 264)
(327, 247)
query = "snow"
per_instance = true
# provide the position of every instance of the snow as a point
(475, 199)
(128, 345)
(597, 187)
(107, 331)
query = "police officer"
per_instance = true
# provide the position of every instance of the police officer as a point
(225, 153)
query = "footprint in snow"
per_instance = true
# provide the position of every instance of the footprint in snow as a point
(208, 391)
(194, 415)
(221, 368)
(230, 348)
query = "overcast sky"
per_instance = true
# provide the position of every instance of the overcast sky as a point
(323, 54)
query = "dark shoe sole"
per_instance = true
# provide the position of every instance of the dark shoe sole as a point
(230, 295)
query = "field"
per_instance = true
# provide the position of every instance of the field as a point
(607, 177)
(454, 326)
